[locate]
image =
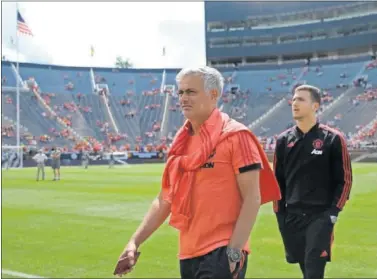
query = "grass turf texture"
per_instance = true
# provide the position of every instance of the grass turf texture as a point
(78, 226)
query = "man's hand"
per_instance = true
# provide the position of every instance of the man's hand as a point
(156, 215)
(127, 259)
(332, 215)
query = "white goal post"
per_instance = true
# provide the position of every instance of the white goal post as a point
(11, 156)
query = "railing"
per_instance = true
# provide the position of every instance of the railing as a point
(279, 104)
(93, 80)
(106, 103)
(165, 117)
(18, 76)
(268, 113)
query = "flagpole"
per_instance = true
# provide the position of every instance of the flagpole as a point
(18, 89)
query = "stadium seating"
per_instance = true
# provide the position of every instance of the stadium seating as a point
(119, 82)
(69, 105)
(55, 79)
(151, 107)
(330, 76)
(7, 78)
(350, 112)
(38, 122)
(8, 131)
(137, 105)
(97, 118)
(126, 116)
(265, 81)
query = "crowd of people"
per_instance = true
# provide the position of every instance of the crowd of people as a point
(7, 131)
(150, 139)
(368, 95)
(368, 133)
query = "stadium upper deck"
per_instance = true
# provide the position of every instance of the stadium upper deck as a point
(277, 32)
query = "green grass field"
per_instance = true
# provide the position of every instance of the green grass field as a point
(78, 226)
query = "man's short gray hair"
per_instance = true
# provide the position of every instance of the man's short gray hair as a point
(212, 78)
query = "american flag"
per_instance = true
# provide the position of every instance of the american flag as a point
(22, 27)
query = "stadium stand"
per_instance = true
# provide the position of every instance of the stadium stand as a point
(137, 105)
(8, 78)
(124, 109)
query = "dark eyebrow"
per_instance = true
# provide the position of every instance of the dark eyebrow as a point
(187, 90)
(298, 97)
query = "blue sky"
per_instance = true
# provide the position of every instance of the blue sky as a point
(64, 33)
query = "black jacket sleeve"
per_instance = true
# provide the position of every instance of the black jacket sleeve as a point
(342, 173)
(279, 206)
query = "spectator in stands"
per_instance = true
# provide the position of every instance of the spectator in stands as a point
(372, 65)
(7, 131)
(69, 86)
(361, 81)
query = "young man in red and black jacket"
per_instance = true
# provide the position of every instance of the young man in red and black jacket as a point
(313, 168)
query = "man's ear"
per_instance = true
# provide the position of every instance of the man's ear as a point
(213, 94)
(315, 106)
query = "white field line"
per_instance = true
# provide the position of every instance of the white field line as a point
(19, 274)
